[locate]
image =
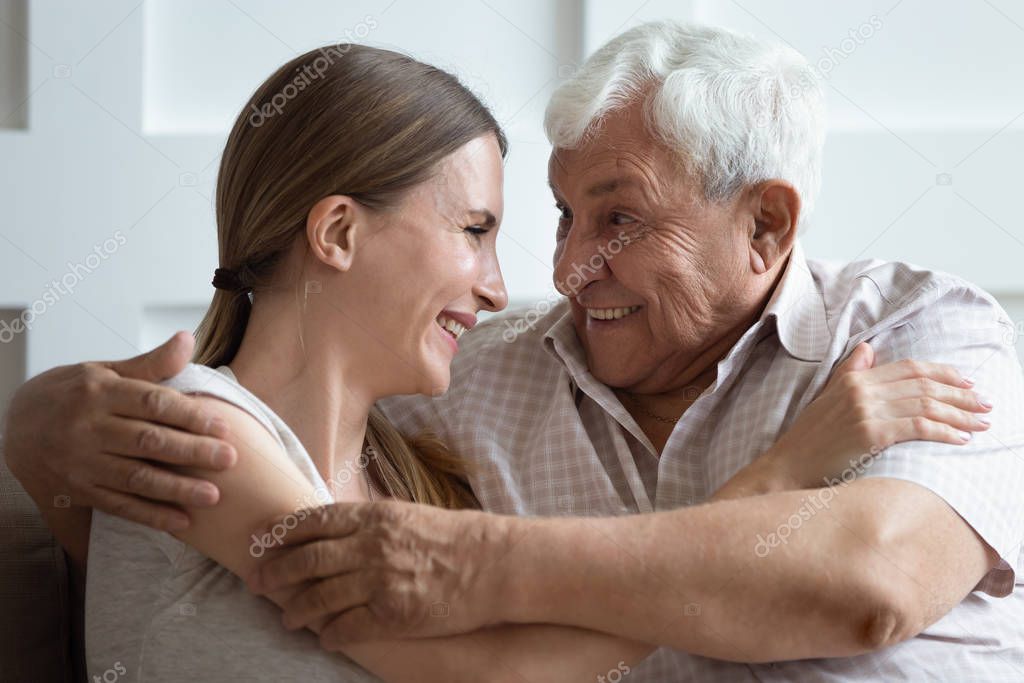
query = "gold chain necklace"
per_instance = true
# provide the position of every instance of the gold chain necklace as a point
(643, 409)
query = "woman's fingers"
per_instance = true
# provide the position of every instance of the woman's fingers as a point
(909, 369)
(330, 596)
(936, 411)
(140, 439)
(139, 510)
(920, 428)
(964, 399)
(861, 358)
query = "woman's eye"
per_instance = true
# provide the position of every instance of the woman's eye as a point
(621, 218)
(476, 230)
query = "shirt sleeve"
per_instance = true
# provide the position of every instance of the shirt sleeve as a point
(983, 481)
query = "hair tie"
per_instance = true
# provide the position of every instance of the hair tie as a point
(229, 280)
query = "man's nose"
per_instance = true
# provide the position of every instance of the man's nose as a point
(578, 262)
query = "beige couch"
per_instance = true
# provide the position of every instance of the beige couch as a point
(39, 627)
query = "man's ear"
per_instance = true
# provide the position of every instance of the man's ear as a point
(331, 230)
(775, 206)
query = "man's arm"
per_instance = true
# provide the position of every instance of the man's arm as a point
(882, 561)
(87, 435)
(856, 568)
(265, 483)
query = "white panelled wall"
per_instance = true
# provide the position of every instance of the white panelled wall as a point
(113, 114)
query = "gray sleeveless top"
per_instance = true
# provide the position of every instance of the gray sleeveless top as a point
(158, 610)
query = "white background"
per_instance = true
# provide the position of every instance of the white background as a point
(113, 114)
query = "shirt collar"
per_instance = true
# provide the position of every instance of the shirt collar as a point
(798, 309)
(564, 345)
(796, 306)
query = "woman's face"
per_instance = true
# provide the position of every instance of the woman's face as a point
(424, 269)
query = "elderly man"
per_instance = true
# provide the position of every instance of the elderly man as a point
(669, 366)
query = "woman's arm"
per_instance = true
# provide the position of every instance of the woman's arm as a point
(265, 484)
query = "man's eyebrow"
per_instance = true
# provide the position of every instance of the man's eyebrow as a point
(601, 188)
(609, 186)
(489, 219)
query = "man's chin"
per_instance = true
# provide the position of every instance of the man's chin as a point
(611, 371)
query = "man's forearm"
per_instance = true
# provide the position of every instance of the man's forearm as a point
(698, 579)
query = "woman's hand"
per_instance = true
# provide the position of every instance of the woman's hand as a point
(862, 411)
(87, 435)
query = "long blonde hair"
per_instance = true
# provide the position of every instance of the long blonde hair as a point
(345, 119)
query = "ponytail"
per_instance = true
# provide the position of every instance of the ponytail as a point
(220, 333)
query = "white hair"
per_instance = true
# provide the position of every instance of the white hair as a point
(736, 109)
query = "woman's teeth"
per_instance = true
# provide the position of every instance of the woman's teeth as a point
(452, 327)
(611, 313)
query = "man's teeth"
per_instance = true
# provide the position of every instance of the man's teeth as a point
(611, 313)
(451, 326)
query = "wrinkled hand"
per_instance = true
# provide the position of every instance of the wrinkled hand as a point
(88, 435)
(383, 570)
(862, 411)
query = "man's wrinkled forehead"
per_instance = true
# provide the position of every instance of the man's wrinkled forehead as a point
(599, 170)
(613, 149)
(568, 165)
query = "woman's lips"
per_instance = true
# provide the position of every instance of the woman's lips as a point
(448, 337)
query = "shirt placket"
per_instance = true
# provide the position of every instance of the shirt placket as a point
(682, 475)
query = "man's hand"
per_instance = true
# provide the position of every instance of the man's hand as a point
(384, 570)
(87, 435)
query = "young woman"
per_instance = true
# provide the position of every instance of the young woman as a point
(357, 227)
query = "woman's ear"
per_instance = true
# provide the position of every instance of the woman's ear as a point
(775, 205)
(332, 228)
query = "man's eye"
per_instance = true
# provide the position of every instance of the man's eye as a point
(564, 212)
(621, 218)
(476, 230)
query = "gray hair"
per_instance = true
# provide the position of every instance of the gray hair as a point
(737, 110)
